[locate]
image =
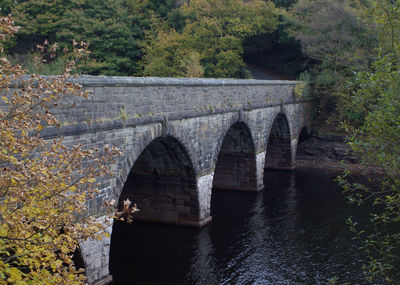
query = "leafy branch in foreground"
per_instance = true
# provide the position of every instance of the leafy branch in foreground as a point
(375, 135)
(44, 185)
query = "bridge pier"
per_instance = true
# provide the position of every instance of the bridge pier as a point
(95, 255)
(204, 186)
(260, 165)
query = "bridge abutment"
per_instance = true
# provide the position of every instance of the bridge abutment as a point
(204, 186)
(260, 167)
(96, 254)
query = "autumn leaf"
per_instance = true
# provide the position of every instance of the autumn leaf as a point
(43, 186)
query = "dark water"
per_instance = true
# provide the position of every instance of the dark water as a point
(294, 232)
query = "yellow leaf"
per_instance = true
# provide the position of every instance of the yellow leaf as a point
(15, 274)
(3, 230)
(64, 249)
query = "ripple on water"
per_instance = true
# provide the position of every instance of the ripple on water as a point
(292, 233)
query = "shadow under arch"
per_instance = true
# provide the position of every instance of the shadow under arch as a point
(303, 136)
(279, 151)
(236, 167)
(162, 183)
(301, 146)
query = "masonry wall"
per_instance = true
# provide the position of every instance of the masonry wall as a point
(117, 102)
(196, 114)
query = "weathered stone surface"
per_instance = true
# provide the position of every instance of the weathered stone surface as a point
(175, 134)
(95, 254)
(204, 185)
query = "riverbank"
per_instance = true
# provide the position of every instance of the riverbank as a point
(329, 152)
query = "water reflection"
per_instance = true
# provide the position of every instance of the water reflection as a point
(291, 202)
(203, 269)
(292, 233)
(151, 254)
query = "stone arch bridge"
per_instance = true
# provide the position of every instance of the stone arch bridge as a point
(180, 139)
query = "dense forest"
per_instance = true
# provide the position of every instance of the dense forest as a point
(347, 52)
(322, 42)
(143, 37)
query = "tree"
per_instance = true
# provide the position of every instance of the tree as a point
(375, 135)
(165, 56)
(44, 185)
(213, 36)
(107, 26)
(6, 6)
(40, 19)
(278, 51)
(338, 39)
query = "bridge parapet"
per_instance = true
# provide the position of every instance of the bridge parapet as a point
(119, 102)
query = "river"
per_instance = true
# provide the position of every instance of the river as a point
(293, 232)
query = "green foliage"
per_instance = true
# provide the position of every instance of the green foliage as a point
(5, 7)
(246, 74)
(333, 280)
(373, 118)
(214, 31)
(302, 88)
(43, 186)
(284, 3)
(143, 37)
(338, 39)
(106, 25)
(164, 56)
(378, 104)
(386, 16)
(39, 19)
(55, 67)
(276, 51)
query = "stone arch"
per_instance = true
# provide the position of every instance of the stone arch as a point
(142, 137)
(162, 183)
(279, 147)
(303, 135)
(300, 147)
(236, 167)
